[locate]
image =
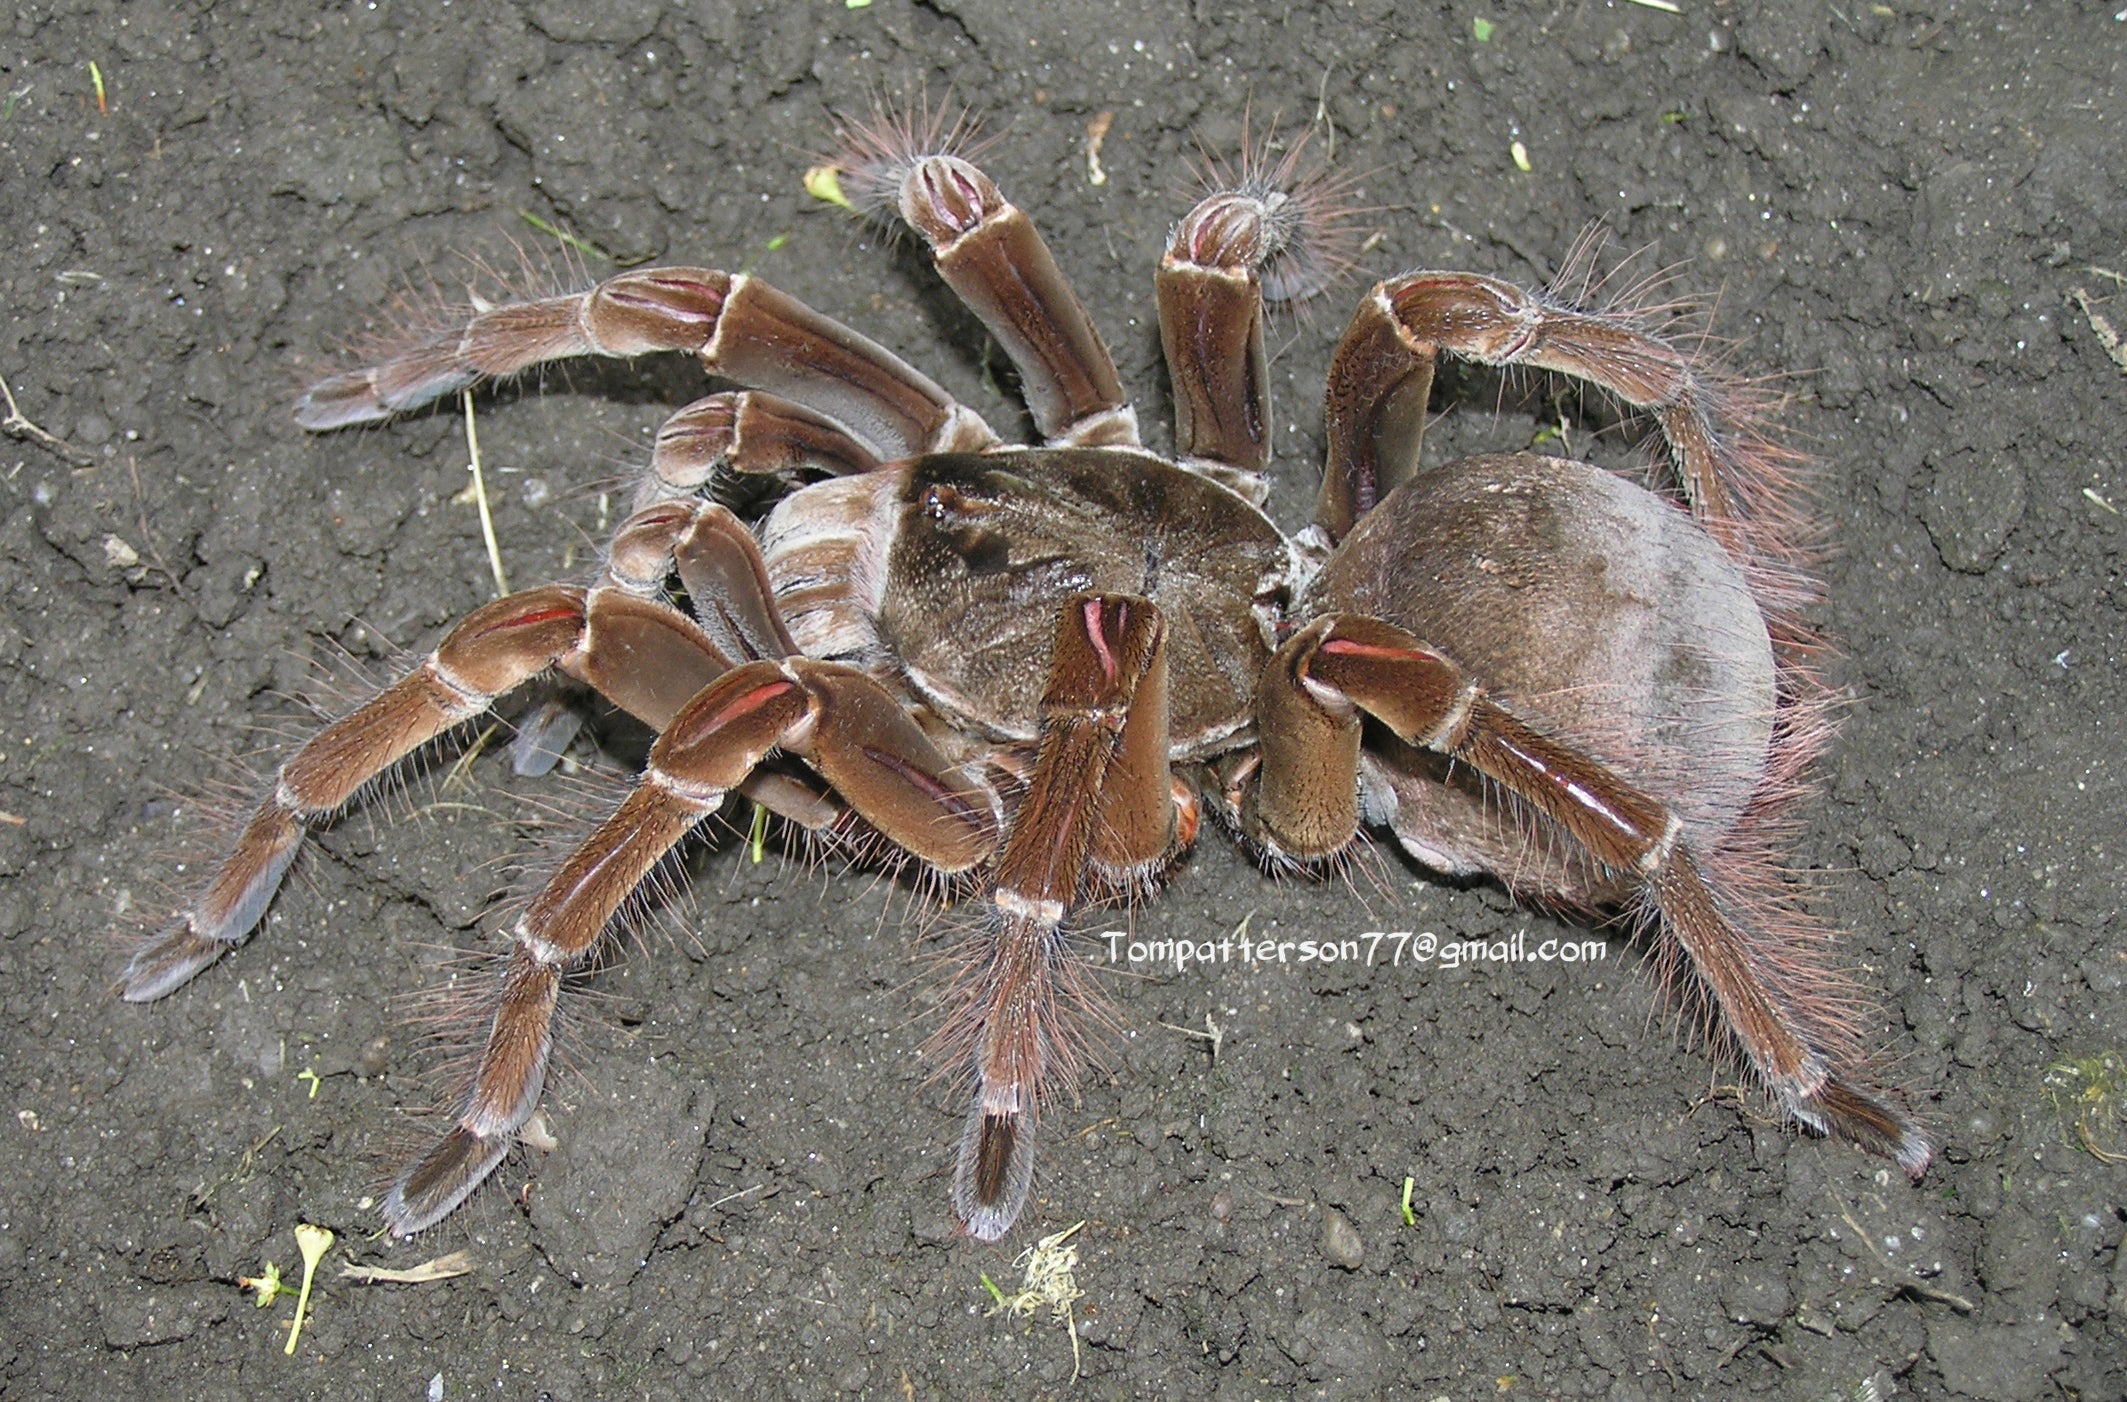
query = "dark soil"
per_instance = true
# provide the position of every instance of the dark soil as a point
(1896, 206)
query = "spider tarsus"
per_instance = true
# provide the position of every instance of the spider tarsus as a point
(341, 401)
(445, 1177)
(1845, 1111)
(1024, 1011)
(227, 911)
(168, 962)
(415, 369)
(995, 1169)
(413, 373)
(1816, 997)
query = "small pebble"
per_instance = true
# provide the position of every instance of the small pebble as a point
(1222, 1206)
(1341, 1244)
(376, 1056)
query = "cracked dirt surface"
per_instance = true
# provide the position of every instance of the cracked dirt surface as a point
(1913, 211)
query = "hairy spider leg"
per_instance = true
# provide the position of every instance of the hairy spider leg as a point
(1732, 478)
(852, 732)
(736, 325)
(1304, 803)
(1101, 794)
(490, 652)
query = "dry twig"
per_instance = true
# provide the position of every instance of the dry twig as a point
(457, 1263)
(17, 426)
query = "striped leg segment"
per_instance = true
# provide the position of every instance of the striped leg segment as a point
(750, 434)
(718, 563)
(735, 325)
(842, 722)
(1305, 803)
(1212, 285)
(1097, 795)
(991, 255)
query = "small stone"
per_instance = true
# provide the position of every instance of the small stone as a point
(1973, 504)
(1222, 1206)
(624, 1167)
(1755, 1299)
(1341, 1244)
(621, 22)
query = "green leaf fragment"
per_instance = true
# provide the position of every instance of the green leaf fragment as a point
(581, 245)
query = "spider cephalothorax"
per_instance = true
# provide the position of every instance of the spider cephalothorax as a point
(1027, 667)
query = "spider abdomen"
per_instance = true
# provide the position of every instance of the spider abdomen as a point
(1592, 607)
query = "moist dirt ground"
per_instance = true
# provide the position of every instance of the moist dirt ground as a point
(1498, 1180)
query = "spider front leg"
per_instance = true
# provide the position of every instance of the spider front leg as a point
(1768, 993)
(1383, 371)
(843, 723)
(1101, 802)
(735, 325)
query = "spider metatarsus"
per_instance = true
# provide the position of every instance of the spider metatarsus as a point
(1030, 668)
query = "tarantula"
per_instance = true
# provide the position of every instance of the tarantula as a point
(1030, 668)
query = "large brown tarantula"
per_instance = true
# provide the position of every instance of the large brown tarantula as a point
(1027, 667)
